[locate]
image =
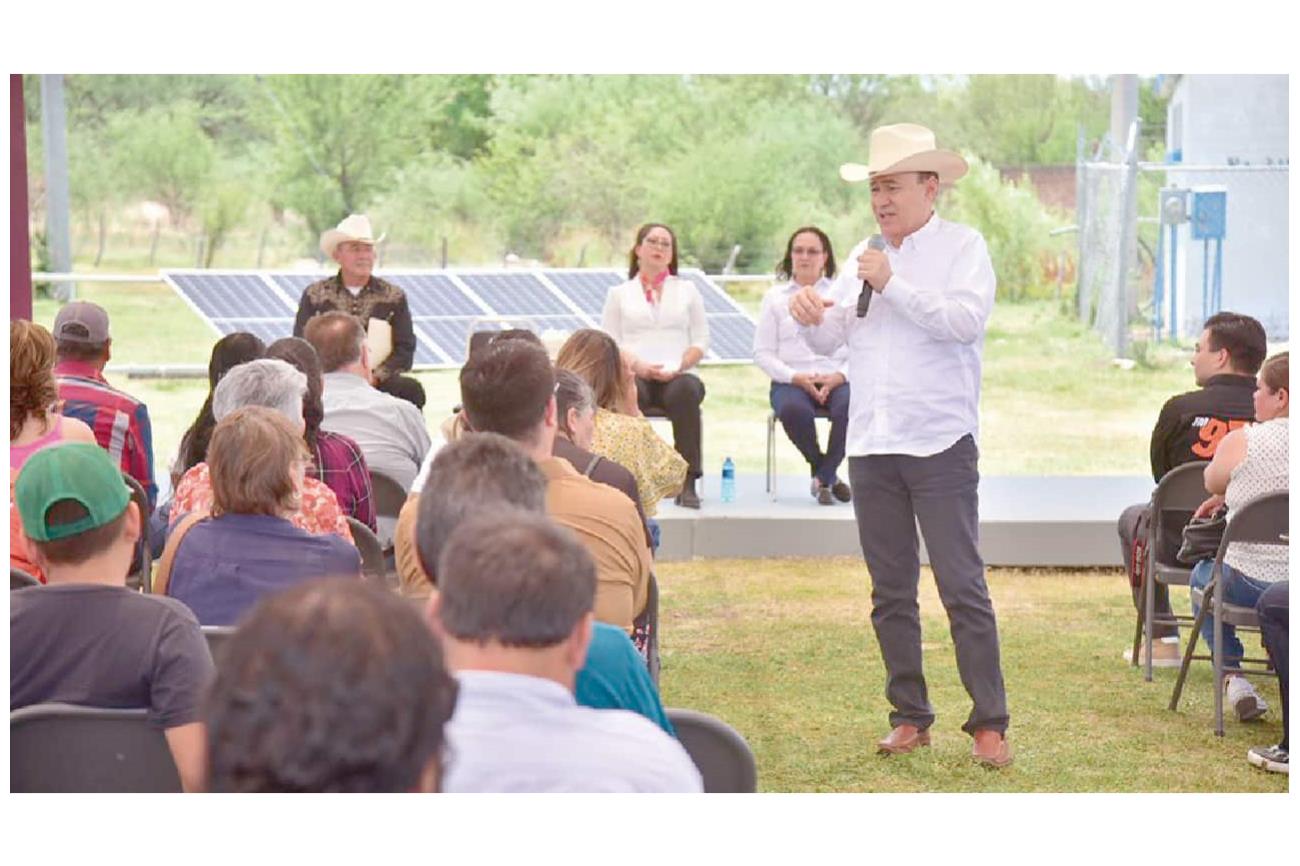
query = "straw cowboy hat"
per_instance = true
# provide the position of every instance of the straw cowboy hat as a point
(905, 147)
(355, 228)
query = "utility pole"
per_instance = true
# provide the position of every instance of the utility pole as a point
(1126, 143)
(54, 132)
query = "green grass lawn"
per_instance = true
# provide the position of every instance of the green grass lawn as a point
(783, 650)
(1053, 402)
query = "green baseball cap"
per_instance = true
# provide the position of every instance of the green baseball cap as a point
(78, 471)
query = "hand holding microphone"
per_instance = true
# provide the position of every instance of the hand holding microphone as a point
(873, 270)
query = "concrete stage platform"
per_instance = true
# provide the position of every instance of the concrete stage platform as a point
(1024, 520)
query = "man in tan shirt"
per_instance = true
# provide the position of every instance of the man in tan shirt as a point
(509, 388)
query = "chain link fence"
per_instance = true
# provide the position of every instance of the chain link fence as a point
(1152, 270)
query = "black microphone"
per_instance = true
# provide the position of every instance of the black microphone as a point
(864, 299)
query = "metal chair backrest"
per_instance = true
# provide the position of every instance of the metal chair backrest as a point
(389, 495)
(140, 576)
(217, 637)
(373, 566)
(70, 749)
(1262, 520)
(1176, 496)
(718, 750)
(18, 579)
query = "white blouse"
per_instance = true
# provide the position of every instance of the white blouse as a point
(779, 349)
(656, 333)
(1265, 469)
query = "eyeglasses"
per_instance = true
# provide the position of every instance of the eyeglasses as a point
(657, 242)
(807, 251)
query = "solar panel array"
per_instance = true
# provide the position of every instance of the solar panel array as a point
(447, 305)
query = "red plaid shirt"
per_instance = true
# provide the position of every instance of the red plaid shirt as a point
(342, 467)
(120, 422)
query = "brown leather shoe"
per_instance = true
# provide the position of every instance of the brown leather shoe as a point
(902, 740)
(991, 749)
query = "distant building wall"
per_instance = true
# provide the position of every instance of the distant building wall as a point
(1225, 120)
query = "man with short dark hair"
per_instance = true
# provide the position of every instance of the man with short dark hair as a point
(390, 432)
(509, 388)
(1228, 354)
(514, 612)
(85, 638)
(380, 306)
(120, 422)
(484, 472)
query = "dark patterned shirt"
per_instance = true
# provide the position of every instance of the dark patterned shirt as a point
(380, 299)
(343, 469)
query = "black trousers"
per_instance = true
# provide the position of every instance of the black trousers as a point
(892, 493)
(405, 387)
(1274, 609)
(680, 400)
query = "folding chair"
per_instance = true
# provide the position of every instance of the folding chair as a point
(69, 749)
(1178, 494)
(18, 579)
(818, 412)
(373, 566)
(718, 750)
(217, 637)
(141, 574)
(1262, 520)
(390, 496)
(649, 620)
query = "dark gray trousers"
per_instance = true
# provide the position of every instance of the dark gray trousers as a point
(891, 494)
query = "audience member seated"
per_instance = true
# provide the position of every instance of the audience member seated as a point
(85, 638)
(575, 409)
(1190, 427)
(802, 380)
(514, 612)
(336, 459)
(120, 422)
(509, 388)
(658, 321)
(1248, 463)
(484, 472)
(1274, 610)
(330, 686)
(390, 430)
(248, 548)
(621, 433)
(34, 419)
(274, 385)
(228, 352)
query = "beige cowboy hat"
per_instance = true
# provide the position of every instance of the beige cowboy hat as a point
(355, 228)
(903, 147)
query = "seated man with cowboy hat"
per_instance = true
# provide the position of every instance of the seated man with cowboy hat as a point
(379, 304)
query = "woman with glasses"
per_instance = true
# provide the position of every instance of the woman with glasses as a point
(658, 321)
(804, 382)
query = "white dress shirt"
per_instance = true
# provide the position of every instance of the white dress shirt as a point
(915, 359)
(389, 430)
(656, 333)
(513, 733)
(779, 349)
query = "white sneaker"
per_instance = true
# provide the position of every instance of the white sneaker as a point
(1245, 701)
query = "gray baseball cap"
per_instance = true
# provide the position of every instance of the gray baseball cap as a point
(81, 322)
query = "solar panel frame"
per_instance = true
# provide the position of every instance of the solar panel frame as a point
(537, 298)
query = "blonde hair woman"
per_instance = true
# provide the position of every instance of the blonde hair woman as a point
(621, 433)
(34, 419)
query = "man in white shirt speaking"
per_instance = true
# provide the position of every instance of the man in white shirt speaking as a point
(913, 316)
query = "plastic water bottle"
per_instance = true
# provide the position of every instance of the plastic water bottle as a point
(728, 481)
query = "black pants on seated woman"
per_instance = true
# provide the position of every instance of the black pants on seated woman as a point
(680, 400)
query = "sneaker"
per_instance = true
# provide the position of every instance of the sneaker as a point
(1245, 701)
(816, 488)
(1165, 653)
(1273, 759)
(841, 491)
(824, 497)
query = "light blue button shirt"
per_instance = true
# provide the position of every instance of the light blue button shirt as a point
(513, 733)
